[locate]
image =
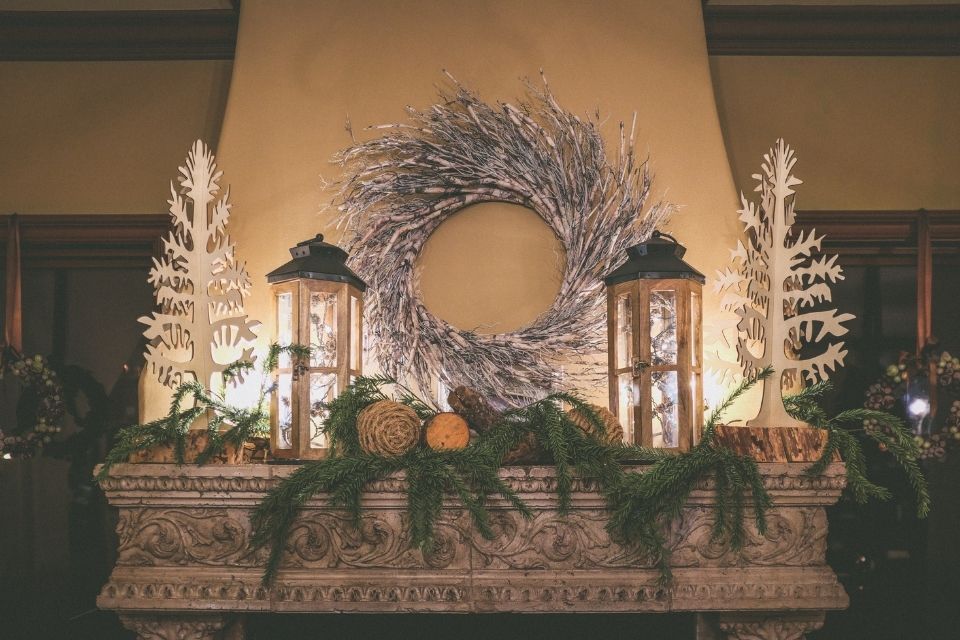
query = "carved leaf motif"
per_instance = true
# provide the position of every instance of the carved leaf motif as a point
(328, 539)
(550, 541)
(173, 627)
(183, 536)
(794, 537)
(770, 628)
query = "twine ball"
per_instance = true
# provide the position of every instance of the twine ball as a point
(388, 428)
(614, 431)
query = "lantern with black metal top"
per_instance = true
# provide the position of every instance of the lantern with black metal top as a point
(655, 345)
(317, 301)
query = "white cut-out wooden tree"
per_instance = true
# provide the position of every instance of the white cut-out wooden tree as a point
(200, 286)
(777, 287)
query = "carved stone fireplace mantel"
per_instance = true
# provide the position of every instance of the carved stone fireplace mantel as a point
(185, 568)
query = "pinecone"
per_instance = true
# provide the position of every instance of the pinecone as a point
(479, 413)
(527, 452)
(613, 432)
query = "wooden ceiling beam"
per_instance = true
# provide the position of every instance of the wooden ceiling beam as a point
(837, 30)
(208, 34)
(757, 30)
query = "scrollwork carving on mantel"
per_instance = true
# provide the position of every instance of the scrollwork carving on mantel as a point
(184, 548)
(174, 628)
(770, 627)
(328, 539)
(794, 537)
(197, 536)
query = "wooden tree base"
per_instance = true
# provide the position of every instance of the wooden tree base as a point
(775, 444)
(253, 451)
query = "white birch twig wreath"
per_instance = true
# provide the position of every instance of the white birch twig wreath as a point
(400, 187)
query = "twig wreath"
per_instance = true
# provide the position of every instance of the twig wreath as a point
(398, 188)
(40, 409)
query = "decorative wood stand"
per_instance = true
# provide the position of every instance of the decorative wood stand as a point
(185, 569)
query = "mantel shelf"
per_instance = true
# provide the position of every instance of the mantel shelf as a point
(184, 556)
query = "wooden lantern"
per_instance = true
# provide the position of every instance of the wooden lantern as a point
(317, 302)
(655, 338)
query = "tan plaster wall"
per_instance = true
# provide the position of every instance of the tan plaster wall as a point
(870, 133)
(302, 68)
(102, 137)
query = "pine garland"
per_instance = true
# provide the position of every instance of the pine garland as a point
(891, 434)
(228, 425)
(641, 504)
(645, 502)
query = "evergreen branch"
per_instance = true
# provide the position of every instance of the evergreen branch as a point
(714, 418)
(171, 430)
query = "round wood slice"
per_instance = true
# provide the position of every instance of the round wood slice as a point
(447, 431)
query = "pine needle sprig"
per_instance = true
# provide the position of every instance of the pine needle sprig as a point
(340, 425)
(426, 484)
(721, 409)
(892, 435)
(226, 425)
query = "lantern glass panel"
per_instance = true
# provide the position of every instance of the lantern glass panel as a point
(626, 405)
(663, 327)
(285, 410)
(695, 333)
(323, 329)
(664, 409)
(284, 326)
(624, 329)
(323, 388)
(355, 349)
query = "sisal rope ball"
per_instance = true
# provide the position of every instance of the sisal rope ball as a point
(388, 428)
(614, 431)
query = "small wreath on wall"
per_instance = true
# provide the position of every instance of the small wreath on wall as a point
(39, 410)
(932, 381)
(400, 187)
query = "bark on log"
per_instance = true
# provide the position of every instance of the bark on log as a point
(774, 444)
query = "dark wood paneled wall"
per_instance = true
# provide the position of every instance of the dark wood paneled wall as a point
(87, 241)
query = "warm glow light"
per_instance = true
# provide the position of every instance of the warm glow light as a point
(918, 407)
(713, 392)
(245, 394)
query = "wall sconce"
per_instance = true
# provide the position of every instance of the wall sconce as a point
(655, 345)
(317, 302)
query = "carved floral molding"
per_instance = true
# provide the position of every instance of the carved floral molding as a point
(184, 546)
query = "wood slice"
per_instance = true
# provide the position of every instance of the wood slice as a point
(447, 431)
(196, 442)
(775, 444)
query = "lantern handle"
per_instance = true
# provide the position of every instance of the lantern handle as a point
(638, 366)
(660, 234)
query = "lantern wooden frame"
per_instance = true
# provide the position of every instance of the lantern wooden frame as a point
(654, 386)
(637, 363)
(304, 290)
